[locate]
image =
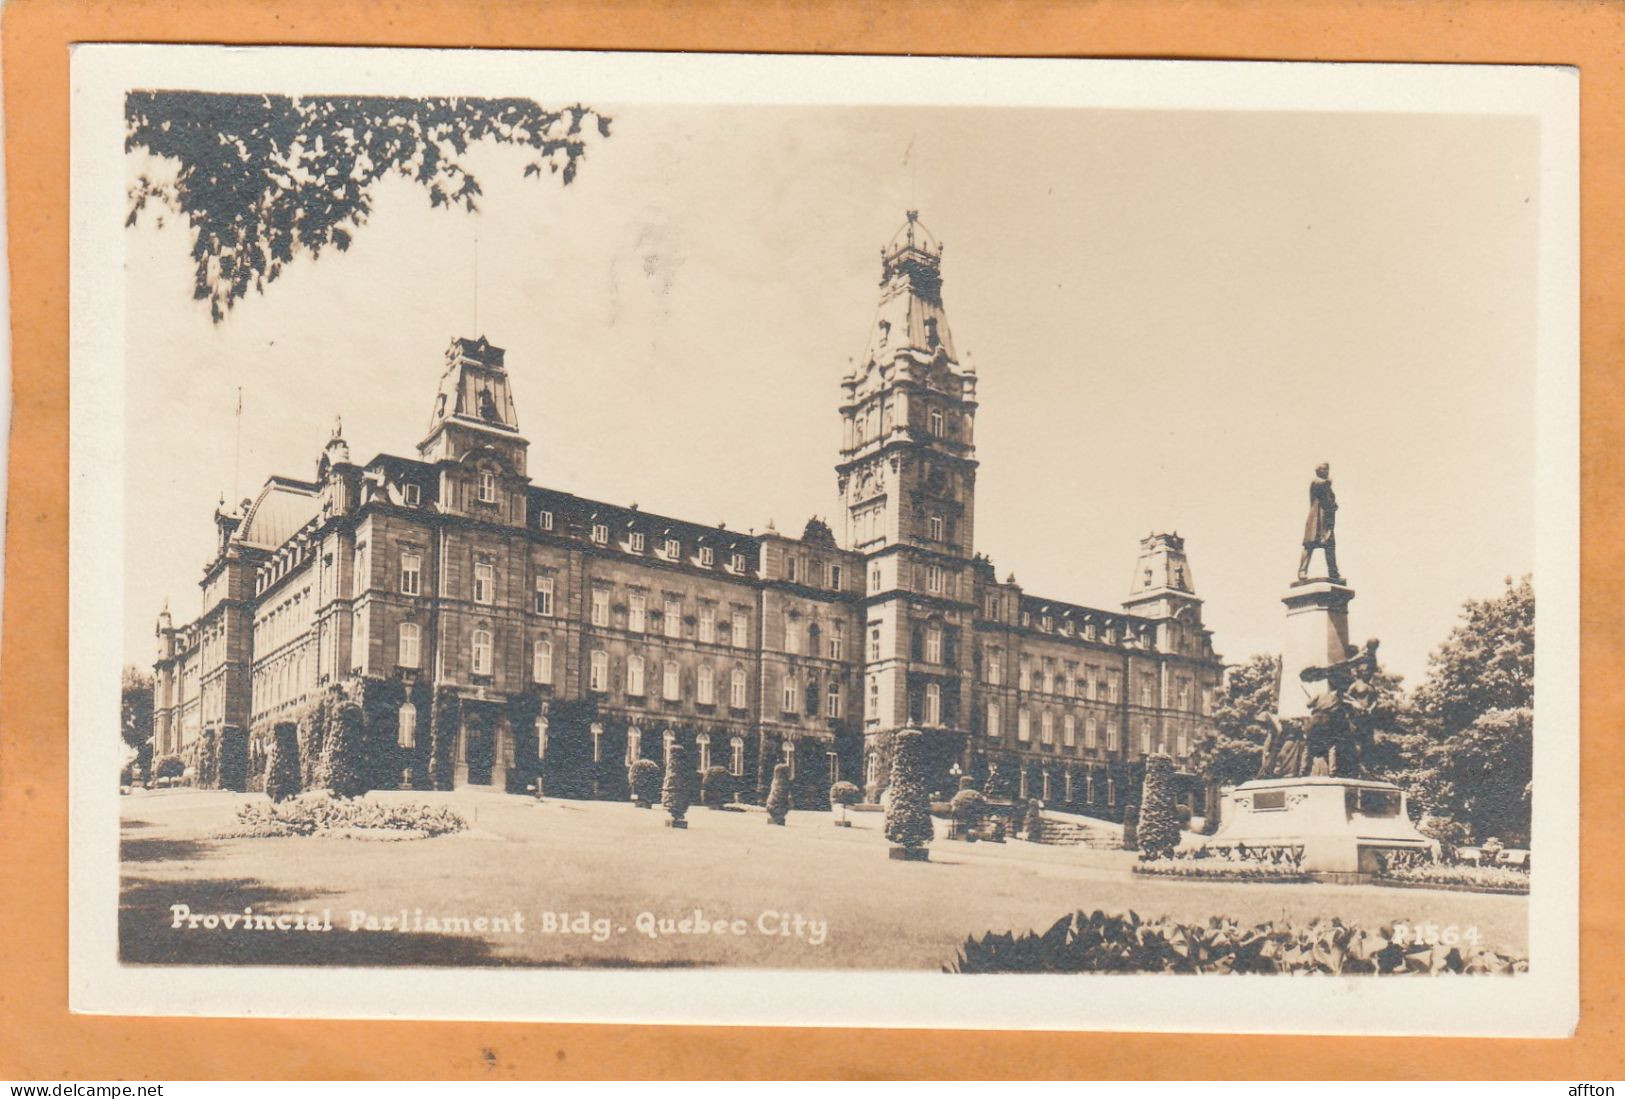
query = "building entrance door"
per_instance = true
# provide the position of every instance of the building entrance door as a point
(479, 744)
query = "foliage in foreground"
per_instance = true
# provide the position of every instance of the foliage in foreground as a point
(1084, 942)
(318, 814)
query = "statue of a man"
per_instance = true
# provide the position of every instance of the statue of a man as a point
(1319, 531)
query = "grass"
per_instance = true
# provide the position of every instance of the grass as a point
(613, 862)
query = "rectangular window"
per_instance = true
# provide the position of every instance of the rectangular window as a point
(736, 757)
(1145, 738)
(1024, 725)
(792, 639)
(790, 568)
(1046, 727)
(992, 609)
(482, 652)
(484, 582)
(739, 631)
(708, 624)
(671, 681)
(708, 556)
(1024, 680)
(409, 637)
(671, 618)
(1146, 692)
(705, 686)
(995, 666)
(674, 549)
(363, 578)
(598, 674)
(488, 488)
(542, 662)
(1090, 738)
(737, 562)
(636, 605)
(874, 643)
(934, 526)
(995, 720)
(1113, 687)
(411, 574)
(545, 520)
(833, 705)
(1114, 734)
(635, 543)
(414, 496)
(933, 645)
(835, 577)
(933, 579)
(600, 534)
(837, 641)
(874, 578)
(634, 675)
(544, 596)
(789, 685)
(1049, 675)
(600, 607)
(933, 704)
(736, 689)
(1069, 731)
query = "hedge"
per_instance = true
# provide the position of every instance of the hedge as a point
(1157, 830)
(674, 794)
(908, 815)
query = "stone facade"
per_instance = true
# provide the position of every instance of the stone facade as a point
(495, 631)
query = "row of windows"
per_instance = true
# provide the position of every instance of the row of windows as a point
(796, 573)
(1069, 730)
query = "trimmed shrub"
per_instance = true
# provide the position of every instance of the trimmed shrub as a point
(319, 814)
(1032, 821)
(716, 788)
(312, 734)
(908, 815)
(1158, 828)
(208, 759)
(282, 769)
(967, 808)
(168, 767)
(843, 794)
(778, 795)
(644, 779)
(346, 752)
(674, 795)
(1084, 942)
(1131, 826)
(233, 758)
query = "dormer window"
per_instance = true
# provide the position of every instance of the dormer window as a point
(600, 534)
(413, 496)
(708, 556)
(635, 543)
(488, 487)
(545, 520)
(674, 549)
(737, 562)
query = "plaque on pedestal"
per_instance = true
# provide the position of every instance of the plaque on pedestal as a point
(1342, 824)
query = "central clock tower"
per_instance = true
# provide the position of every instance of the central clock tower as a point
(907, 480)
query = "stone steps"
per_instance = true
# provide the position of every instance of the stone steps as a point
(1071, 834)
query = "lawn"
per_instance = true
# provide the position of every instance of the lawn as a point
(856, 907)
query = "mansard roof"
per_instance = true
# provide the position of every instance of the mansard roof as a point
(283, 506)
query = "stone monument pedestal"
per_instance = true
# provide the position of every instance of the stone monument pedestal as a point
(1341, 823)
(1317, 635)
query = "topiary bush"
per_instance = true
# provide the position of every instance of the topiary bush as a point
(208, 760)
(1131, 826)
(1098, 942)
(282, 768)
(674, 795)
(908, 814)
(778, 795)
(346, 752)
(967, 808)
(843, 794)
(168, 767)
(716, 788)
(1032, 822)
(644, 779)
(1158, 829)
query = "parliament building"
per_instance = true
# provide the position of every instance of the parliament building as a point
(495, 632)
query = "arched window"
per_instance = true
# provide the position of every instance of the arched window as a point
(406, 734)
(736, 689)
(702, 744)
(789, 752)
(482, 652)
(736, 756)
(598, 674)
(1046, 728)
(634, 744)
(634, 674)
(542, 663)
(670, 681)
(833, 700)
(705, 686)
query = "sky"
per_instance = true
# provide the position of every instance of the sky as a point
(1174, 315)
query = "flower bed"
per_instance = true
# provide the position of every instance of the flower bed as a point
(319, 814)
(1084, 942)
(1280, 862)
(1497, 879)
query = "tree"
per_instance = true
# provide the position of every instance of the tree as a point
(778, 795)
(1158, 827)
(1476, 712)
(135, 715)
(908, 814)
(716, 788)
(843, 794)
(644, 779)
(1230, 750)
(674, 792)
(260, 178)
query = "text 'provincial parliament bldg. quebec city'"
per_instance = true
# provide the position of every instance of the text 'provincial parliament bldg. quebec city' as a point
(493, 631)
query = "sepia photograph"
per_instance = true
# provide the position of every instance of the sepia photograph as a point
(762, 532)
